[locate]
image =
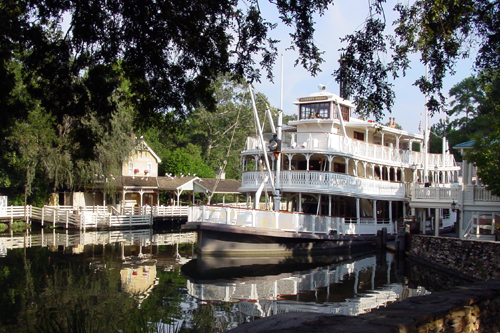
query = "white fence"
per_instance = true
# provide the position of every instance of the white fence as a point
(12, 213)
(91, 216)
(298, 222)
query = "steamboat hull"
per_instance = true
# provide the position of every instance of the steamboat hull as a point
(229, 240)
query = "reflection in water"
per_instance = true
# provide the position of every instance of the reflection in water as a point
(83, 281)
(348, 287)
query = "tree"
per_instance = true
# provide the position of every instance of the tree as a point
(441, 32)
(467, 95)
(222, 134)
(34, 141)
(486, 150)
(184, 161)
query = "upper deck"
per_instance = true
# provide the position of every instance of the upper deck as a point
(327, 125)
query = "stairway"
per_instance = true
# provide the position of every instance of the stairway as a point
(481, 227)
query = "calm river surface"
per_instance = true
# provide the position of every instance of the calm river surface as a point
(150, 281)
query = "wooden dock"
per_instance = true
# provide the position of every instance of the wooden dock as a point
(91, 217)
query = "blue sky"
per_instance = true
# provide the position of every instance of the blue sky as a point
(341, 19)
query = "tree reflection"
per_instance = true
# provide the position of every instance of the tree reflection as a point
(49, 291)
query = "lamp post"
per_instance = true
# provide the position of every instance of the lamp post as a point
(453, 206)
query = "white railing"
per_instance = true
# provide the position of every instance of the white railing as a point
(103, 216)
(449, 194)
(477, 222)
(436, 193)
(15, 212)
(285, 221)
(329, 142)
(482, 194)
(327, 182)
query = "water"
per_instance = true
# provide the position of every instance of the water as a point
(148, 281)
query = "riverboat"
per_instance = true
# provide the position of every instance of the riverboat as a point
(329, 177)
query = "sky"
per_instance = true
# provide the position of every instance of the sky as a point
(345, 17)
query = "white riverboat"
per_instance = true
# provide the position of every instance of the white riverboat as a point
(331, 173)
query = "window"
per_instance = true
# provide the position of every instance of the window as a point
(345, 112)
(359, 136)
(130, 168)
(149, 167)
(315, 110)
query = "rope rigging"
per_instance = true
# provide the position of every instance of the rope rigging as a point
(224, 163)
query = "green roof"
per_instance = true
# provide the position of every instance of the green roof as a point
(467, 144)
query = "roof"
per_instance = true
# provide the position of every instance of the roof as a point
(142, 145)
(175, 183)
(138, 181)
(224, 185)
(129, 181)
(324, 96)
(468, 144)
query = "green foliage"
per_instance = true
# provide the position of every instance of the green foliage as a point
(363, 74)
(184, 161)
(440, 31)
(477, 98)
(486, 151)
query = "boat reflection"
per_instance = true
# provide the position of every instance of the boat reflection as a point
(266, 286)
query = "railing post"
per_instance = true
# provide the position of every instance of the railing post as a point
(203, 213)
(228, 215)
(43, 215)
(54, 221)
(67, 219)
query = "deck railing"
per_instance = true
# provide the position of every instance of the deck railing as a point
(327, 182)
(449, 194)
(329, 142)
(315, 224)
(436, 193)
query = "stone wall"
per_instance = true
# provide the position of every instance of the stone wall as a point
(476, 259)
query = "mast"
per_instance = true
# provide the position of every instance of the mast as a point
(261, 137)
(277, 195)
(426, 132)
